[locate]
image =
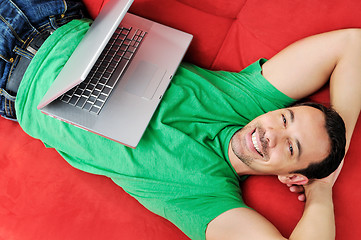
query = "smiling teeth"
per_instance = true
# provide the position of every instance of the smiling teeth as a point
(255, 144)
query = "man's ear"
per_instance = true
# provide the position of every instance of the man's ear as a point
(293, 179)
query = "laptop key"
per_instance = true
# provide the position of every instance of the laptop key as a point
(87, 106)
(128, 55)
(81, 102)
(65, 98)
(95, 109)
(111, 82)
(73, 100)
(106, 90)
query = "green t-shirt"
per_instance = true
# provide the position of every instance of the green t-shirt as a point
(180, 170)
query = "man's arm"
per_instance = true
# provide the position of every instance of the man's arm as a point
(305, 66)
(317, 221)
(298, 71)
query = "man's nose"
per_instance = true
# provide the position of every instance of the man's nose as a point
(274, 136)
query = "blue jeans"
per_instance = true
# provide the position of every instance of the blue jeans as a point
(22, 24)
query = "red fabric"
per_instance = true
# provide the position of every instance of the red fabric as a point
(42, 197)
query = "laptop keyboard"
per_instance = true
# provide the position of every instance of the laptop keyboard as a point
(93, 92)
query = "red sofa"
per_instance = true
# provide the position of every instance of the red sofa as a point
(42, 197)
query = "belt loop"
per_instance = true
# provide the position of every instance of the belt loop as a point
(53, 23)
(10, 109)
(9, 104)
(23, 53)
(8, 96)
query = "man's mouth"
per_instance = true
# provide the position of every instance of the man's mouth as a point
(255, 143)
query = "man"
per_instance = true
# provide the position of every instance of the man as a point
(186, 165)
(309, 63)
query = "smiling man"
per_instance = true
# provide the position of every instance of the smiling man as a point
(272, 138)
(298, 143)
(273, 143)
(214, 127)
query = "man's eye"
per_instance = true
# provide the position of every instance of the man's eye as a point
(284, 120)
(291, 149)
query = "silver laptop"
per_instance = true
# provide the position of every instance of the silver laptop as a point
(116, 77)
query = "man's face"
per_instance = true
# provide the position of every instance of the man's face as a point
(282, 141)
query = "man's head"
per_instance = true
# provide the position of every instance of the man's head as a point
(298, 143)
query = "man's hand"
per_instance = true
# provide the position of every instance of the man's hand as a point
(300, 189)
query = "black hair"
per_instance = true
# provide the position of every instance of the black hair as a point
(336, 130)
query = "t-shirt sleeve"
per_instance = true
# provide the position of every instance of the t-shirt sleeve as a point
(269, 96)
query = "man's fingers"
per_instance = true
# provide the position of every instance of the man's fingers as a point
(302, 197)
(296, 189)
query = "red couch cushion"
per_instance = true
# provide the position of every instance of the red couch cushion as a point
(42, 197)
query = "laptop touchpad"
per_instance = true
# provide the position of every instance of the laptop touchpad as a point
(145, 80)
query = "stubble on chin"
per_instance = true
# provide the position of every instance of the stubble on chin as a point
(238, 143)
